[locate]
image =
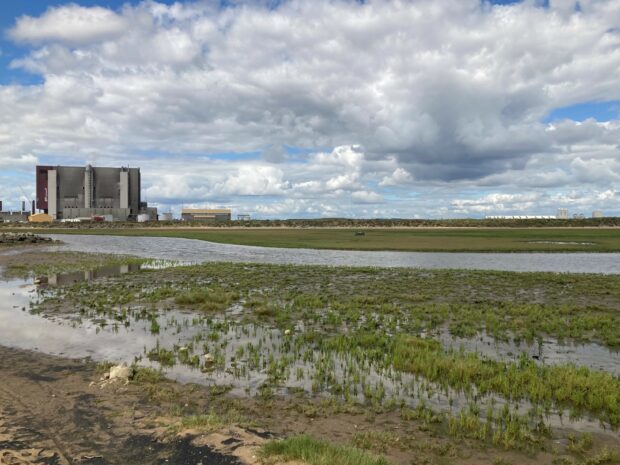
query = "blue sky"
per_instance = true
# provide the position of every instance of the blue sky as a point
(600, 111)
(311, 110)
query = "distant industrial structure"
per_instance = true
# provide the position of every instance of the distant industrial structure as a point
(206, 214)
(72, 192)
(519, 217)
(561, 214)
(19, 216)
(13, 217)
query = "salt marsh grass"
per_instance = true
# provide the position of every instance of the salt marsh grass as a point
(369, 338)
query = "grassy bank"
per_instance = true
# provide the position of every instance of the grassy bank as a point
(426, 240)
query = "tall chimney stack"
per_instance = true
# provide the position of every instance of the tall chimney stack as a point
(23, 206)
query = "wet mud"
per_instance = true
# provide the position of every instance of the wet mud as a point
(50, 414)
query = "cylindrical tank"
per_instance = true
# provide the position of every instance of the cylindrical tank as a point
(166, 216)
(143, 218)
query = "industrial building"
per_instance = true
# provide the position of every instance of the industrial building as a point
(562, 214)
(71, 192)
(15, 216)
(597, 214)
(205, 214)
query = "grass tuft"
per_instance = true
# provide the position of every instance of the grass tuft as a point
(318, 452)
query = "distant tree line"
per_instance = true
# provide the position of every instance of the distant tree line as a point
(347, 223)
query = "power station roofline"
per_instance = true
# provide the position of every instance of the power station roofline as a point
(206, 210)
(52, 167)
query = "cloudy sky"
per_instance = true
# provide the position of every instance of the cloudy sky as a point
(310, 108)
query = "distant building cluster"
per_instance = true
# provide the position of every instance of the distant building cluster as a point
(561, 214)
(518, 217)
(75, 194)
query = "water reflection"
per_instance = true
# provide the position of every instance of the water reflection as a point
(65, 279)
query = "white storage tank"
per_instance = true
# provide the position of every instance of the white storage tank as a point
(143, 218)
(166, 217)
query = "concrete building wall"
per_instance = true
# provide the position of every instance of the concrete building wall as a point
(120, 214)
(52, 193)
(88, 187)
(124, 189)
(134, 190)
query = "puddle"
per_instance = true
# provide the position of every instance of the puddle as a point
(549, 352)
(562, 242)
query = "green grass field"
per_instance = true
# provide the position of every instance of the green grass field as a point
(431, 239)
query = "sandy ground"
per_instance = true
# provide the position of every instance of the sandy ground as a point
(52, 413)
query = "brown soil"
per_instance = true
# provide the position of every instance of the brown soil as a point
(50, 413)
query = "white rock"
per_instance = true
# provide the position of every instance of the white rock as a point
(122, 372)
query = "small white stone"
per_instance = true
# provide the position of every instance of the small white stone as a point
(122, 372)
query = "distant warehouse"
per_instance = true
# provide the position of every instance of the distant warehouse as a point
(204, 214)
(71, 192)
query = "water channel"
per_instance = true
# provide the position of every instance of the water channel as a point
(192, 250)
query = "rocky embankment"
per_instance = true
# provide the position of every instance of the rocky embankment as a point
(22, 238)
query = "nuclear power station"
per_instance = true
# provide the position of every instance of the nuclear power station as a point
(71, 192)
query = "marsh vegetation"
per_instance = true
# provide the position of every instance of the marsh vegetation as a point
(416, 343)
